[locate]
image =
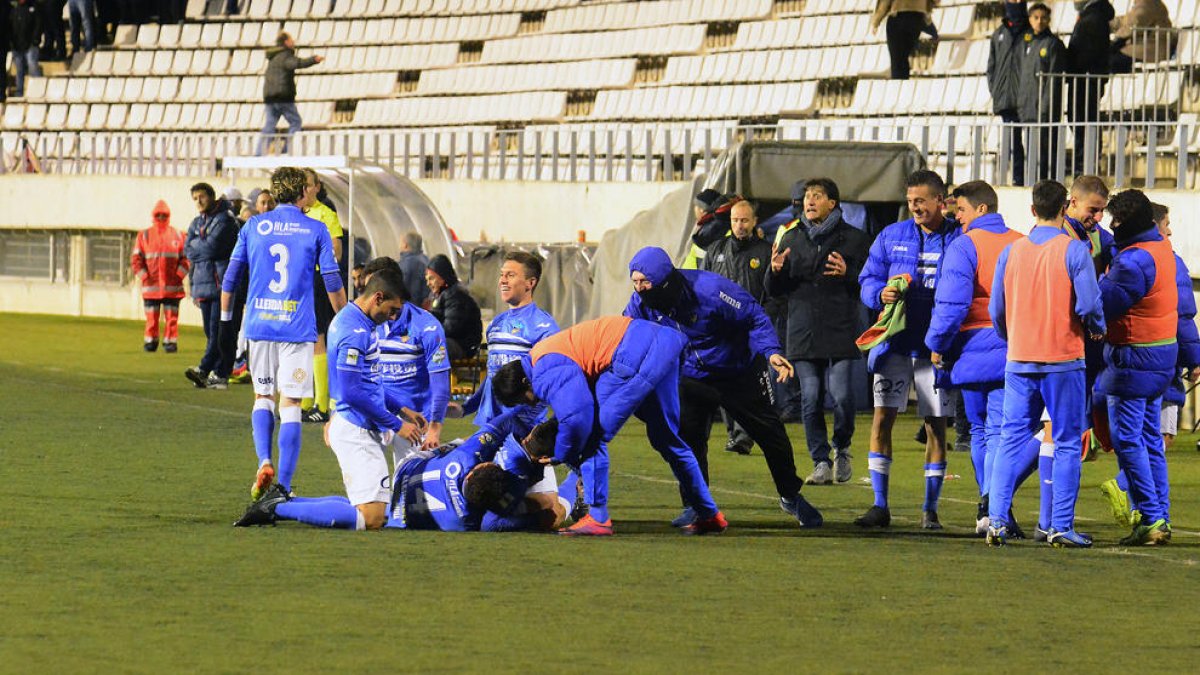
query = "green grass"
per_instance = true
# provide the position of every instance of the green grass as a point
(119, 481)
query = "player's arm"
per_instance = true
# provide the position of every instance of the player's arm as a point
(874, 276)
(996, 306)
(1188, 337)
(1127, 280)
(360, 393)
(564, 387)
(327, 264)
(233, 276)
(1088, 304)
(955, 291)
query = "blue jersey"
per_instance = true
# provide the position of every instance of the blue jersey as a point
(354, 380)
(282, 248)
(510, 336)
(412, 348)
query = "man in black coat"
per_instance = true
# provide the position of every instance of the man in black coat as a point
(1088, 59)
(24, 33)
(1041, 93)
(816, 266)
(454, 308)
(279, 88)
(5, 8)
(1003, 76)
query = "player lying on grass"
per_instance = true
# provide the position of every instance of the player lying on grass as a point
(472, 485)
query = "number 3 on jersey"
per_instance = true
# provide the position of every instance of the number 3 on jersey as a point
(280, 253)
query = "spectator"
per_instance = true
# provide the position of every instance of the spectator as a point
(83, 25)
(279, 88)
(264, 201)
(1087, 62)
(159, 263)
(107, 18)
(816, 266)
(1041, 96)
(210, 241)
(24, 31)
(711, 211)
(742, 257)
(1003, 77)
(413, 263)
(54, 45)
(356, 278)
(1143, 34)
(454, 308)
(5, 10)
(906, 20)
(315, 410)
(235, 199)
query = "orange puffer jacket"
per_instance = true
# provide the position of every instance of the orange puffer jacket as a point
(158, 259)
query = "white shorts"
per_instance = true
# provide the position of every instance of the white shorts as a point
(402, 449)
(1170, 419)
(897, 373)
(363, 462)
(548, 483)
(285, 367)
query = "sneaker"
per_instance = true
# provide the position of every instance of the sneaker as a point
(799, 508)
(169, 347)
(581, 507)
(1118, 502)
(262, 481)
(1040, 535)
(215, 382)
(822, 474)
(262, 512)
(684, 519)
(197, 376)
(843, 468)
(314, 415)
(151, 346)
(876, 516)
(1014, 530)
(997, 536)
(715, 524)
(982, 520)
(588, 527)
(240, 378)
(1152, 534)
(929, 521)
(1068, 539)
(921, 436)
(739, 447)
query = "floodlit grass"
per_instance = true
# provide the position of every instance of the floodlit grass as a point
(119, 482)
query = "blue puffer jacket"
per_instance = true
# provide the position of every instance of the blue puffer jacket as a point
(210, 241)
(1189, 339)
(976, 356)
(904, 248)
(1132, 371)
(724, 326)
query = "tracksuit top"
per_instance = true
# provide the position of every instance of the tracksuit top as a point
(1153, 318)
(988, 247)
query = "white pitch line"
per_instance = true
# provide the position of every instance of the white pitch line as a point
(132, 397)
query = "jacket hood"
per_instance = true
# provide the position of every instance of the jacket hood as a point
(991, 221)
(654, 263)
(441, 265)
(161, 207)
(1103, 8)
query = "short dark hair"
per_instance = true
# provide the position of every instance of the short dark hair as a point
(1089, 185)
(531, 263)
(1049, 198)
(487, 487)
(929, 179)
(205, 188)
(510, 383)
(388, 281)
(1039, 6)
(1161, 211)
(282, 38)
(825, 185)
(541, 439)
(978, 192)
(1131, 207)
(384, 263)
(288, 183)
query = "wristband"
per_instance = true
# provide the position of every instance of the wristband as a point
(227, 315)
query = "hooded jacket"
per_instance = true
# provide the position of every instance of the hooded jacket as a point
(158, 259)
(279, 83)
(725, 327)
(1088, 48)
(210, 241)
(824, 315)
(1188, 338)
(744, 262)
(24, 27)
(1004, 60)
(455, 309)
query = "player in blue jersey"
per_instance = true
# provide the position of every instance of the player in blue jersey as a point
(416, 370)
(363, 425)
(280, 250)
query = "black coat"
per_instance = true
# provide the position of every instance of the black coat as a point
(1088, 49)
(823, 311)
(1044, 53)
(1004, 65)
(24, 27)
(279, 84)
(743, 262)
(459, 315)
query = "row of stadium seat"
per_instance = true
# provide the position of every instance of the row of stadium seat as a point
(684, 102)
(151, 116)
(243, 61)
(837, 30)
(920, 97)
(777, 65)
(613, 16)
(611, 44)
(417, 112)
(284, 9)
(559, 76)
(202, 89)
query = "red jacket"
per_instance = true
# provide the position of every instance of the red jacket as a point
(158, 258)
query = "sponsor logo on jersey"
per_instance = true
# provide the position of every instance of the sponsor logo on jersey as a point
(352, 357)
(276, 305)
(729, 300)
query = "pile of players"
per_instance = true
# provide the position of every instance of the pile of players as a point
(1016, 322)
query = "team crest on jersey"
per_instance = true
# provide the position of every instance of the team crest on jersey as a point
(516, 327)
(1042, 53)
(298, 375)
(755, 263)
(405, 339)
(1028, 37)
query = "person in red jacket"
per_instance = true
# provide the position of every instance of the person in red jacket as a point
(159, 262)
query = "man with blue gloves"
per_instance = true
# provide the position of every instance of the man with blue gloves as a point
(730, 344)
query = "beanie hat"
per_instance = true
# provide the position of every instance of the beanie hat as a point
(441, 266)
(707, 199)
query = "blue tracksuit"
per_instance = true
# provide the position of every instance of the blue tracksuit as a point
(1102, 248)
(905, 248)
(1189, 339)
(642, 380)
(413, 363)
(1030, 387)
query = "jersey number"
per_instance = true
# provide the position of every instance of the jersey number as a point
(280, 253)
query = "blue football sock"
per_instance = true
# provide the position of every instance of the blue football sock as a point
(569, 488)
(289, 444)
(1046, 478)
(935, 476)
(322, 512)
(262, 426)
(879, 467)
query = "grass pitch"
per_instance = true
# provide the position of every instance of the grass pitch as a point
(119, 482)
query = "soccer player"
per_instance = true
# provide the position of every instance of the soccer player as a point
(281, 249)
(596, 375)
(363, 425)
(1044, 299)
(731, 351)
(961, 337)
(914, 248)
(316, 408)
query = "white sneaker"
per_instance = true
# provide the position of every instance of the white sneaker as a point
(982, 525)
(843, 468)
(822, 475)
